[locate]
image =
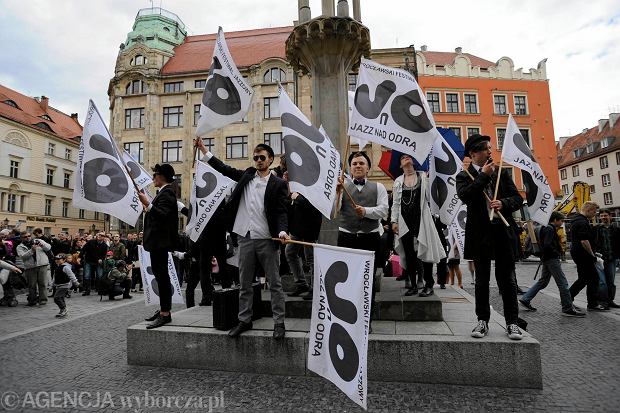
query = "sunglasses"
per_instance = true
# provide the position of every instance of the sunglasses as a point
(261, 157)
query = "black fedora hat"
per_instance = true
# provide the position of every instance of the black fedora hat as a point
(473, 141)
(166, 170)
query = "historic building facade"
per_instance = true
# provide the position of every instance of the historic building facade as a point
(161, 73)
(593, 157)
(38, 151)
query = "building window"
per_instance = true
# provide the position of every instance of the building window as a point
(173, 116)
(51, 149)
(135, 87)
(11, 203)
(196, 114)
(136, 150)
(200, 84)
(501, 134)
(526, 135)
(590, 148)
(606, 142)
(272, 108)
(520, 105)
(14, 169)
(576, 153)
(563, 173)
(81, 214)
(96, 216)
(500, 104)
(471, 103)
(48, 207)
(565, 189)
(68, 153)
(274, 75)
(172, 151)
(134, 118)
(173, 87)
(65, 209)
(433, 101)
(589, 172)
(209, 143)
(604, 162)
(352, 82)
(617, 158)
(452, 102)
(275, 141)
(138, 60)
(606, 180)
(576, 170)
(607, 198)
(456, 130)
(592, 189)
(66, 180)
(50, 176)
(472, 131)
(236, 147)
(11, 103)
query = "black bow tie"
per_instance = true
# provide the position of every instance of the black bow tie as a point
(359, 181)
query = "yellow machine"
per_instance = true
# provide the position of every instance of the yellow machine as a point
(574, 201)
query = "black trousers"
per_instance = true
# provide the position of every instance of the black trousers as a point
(442, 270)
(586, 277)
(414, 265)
(507, 283)
(159, 265)
(369, 242)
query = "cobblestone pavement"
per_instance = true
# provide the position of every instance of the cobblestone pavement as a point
(580, 362)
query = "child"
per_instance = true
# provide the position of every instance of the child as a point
(63, 279)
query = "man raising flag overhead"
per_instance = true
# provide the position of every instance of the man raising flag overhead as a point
(227, 95)
(516, 153)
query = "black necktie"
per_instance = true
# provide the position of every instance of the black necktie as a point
(359, 181)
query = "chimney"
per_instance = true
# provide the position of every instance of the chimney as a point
(74, 116)
(43, 103)
(424, 48)
(601, 124)
(459, 50)
(563, 140)
(613, 118)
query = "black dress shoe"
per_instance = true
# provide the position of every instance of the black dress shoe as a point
(278, 331)
(239, 328)
(159, 321)
(613, 305)
(411, 291)
(426, 291)
(153, 317)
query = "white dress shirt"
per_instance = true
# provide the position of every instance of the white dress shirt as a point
(378, 212)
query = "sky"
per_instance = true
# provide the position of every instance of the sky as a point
(66, 49)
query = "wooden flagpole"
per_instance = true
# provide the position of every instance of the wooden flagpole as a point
(487, 197)
(499, 172)
(338, 193)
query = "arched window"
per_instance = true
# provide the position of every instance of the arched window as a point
(46, 117)
(273, 75)
(138, 60)
(11, 103)
(135, 87)
(44, 125)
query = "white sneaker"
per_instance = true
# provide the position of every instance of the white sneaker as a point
(63, 313)
(481, 329)
(513, 332)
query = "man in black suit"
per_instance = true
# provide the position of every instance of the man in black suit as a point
(161, 236)
(487, 239)
(257, 213)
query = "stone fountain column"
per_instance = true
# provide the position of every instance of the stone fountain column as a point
(327, 48)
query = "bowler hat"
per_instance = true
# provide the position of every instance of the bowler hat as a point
(166, 170)
(474, 140)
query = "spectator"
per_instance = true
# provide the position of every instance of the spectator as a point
(33, 254)
(119, 250)
(120, 280)
(94, 252)
(608, 245)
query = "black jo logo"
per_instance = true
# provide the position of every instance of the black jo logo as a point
(439, 187)
(303, 164)
(346, 361)
(407, 110)
(104, 179)
(221, 95)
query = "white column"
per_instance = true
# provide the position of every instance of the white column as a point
(328, 8)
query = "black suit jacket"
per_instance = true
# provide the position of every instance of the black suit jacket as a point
(275, 196)
(480, 239)
(162, 221)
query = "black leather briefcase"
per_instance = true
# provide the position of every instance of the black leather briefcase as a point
(225, 308)
(257, 303)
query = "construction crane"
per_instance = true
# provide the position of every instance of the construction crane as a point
(574, 201)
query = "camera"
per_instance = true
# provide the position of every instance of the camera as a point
(36, 241)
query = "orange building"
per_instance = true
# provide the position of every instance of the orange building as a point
(472, 95)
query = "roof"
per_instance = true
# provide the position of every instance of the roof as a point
(29, 112)
(247, 47)
(447, 58)
(566, 155)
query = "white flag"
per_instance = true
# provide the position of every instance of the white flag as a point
(444, 165)
(339, 327)
(139, 175)
(540, 199)
(391, 109)
(457, 229)
(227, 94)
(101, 180)
(312, 161)
(149, 283)
(355, 141)
(208, 190)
